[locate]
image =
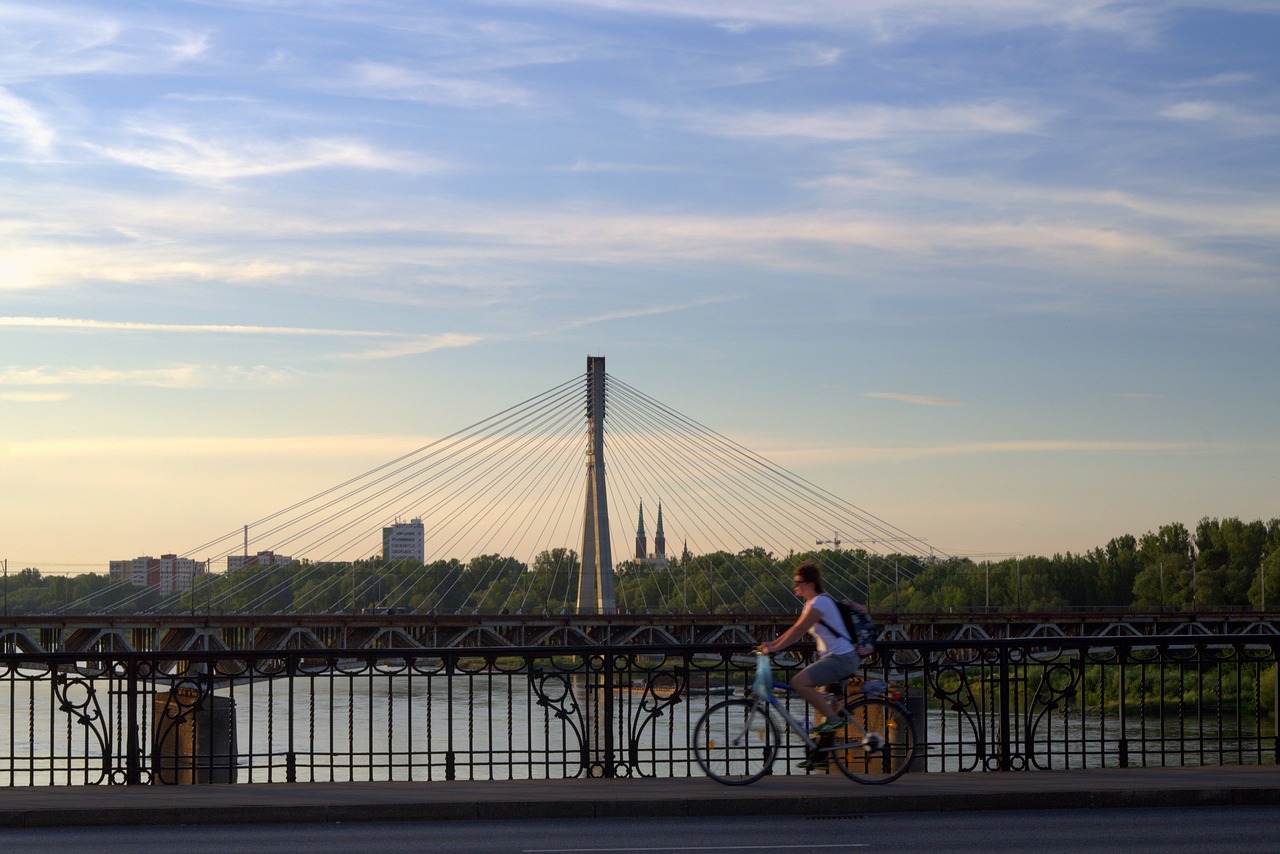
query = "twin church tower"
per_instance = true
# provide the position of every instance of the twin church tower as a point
(659, 555)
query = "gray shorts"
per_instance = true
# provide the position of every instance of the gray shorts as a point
(833, 669)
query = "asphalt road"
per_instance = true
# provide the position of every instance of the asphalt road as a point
(1222, 830)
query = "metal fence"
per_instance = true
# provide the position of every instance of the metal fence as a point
(548, 712)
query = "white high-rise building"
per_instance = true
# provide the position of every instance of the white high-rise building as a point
(165, 574)
(405, 541)
(267, 558)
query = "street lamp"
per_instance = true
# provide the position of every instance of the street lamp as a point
(1262, 579)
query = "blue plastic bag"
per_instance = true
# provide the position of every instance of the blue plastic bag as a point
(763, 686)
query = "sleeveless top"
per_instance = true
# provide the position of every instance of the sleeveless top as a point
(829, 642)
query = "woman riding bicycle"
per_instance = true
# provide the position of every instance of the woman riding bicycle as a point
(838, 658)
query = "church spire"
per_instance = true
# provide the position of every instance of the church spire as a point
(659, 539)
(642, 542)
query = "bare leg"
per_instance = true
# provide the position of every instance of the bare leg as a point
(820, 701)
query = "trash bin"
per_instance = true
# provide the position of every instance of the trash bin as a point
(193, 738)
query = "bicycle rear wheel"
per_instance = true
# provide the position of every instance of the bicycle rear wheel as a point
(880, 747)
(735, 742)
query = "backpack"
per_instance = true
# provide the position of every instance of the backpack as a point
(858, 626)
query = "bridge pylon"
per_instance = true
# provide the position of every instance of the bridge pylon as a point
(595, 579)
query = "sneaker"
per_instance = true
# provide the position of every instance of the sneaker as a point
(829, 725)
(819, 762)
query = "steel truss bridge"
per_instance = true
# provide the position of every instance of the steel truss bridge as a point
(179, 633)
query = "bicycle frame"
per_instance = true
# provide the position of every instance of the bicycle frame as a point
(871, 689)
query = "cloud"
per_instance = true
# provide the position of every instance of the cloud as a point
(34, 396)
(416, 345)
(184, 152)
(405, 345)
(647, 311)
(867, 122)
(885, 20)
(1221, 116)
(38, 42)
(916, 399)
(185, 328)
(868, 454)
(177, 377)
(588, 166)
(230, 447)
(384, 80)
(24, 126)
(1197, 111)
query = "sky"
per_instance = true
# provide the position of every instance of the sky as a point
(1002, 273)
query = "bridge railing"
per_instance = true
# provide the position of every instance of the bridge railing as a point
(610, 711)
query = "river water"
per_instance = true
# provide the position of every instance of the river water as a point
(331, 727)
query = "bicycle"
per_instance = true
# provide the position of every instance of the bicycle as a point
(736, 741)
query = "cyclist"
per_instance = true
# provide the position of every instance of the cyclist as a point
(838, 658)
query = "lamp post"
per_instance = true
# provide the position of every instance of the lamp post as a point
(1262, 580)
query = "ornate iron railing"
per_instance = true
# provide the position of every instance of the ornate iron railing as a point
(610, 711)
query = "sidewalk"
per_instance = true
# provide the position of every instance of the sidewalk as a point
(524, 799)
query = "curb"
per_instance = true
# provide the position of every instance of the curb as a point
(283, 803)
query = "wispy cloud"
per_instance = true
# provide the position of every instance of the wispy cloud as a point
(179, 376)
(34, 396)
(868, 122)
(646, 311)
(916, 399)
(416, 345)
(404, 344)
(887, 19)
(186, 153)
(890, 454)
(589, 166)
(230, 447)
(384, 80)
(185, 328)
(24, 126)
(1222, 116)
(38, 41)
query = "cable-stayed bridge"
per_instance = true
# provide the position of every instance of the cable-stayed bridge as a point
(589, 498)
(591, 512)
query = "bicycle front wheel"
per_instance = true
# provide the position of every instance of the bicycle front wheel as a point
(878, 744)
(735, 742)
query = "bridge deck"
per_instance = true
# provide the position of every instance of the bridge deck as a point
(148, 633)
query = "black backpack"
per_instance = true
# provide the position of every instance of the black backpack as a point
(858, 626)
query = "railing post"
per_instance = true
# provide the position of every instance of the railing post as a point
(132, 760)
(1275, 704)
(609, 767)
(1006, 763)
(291, 758)
(1121, 699)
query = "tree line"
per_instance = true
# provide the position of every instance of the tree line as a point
(1222, 564)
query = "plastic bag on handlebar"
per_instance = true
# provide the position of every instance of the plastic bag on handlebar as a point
(763, 686)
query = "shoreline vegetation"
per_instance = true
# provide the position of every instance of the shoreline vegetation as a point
(1222, 564)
